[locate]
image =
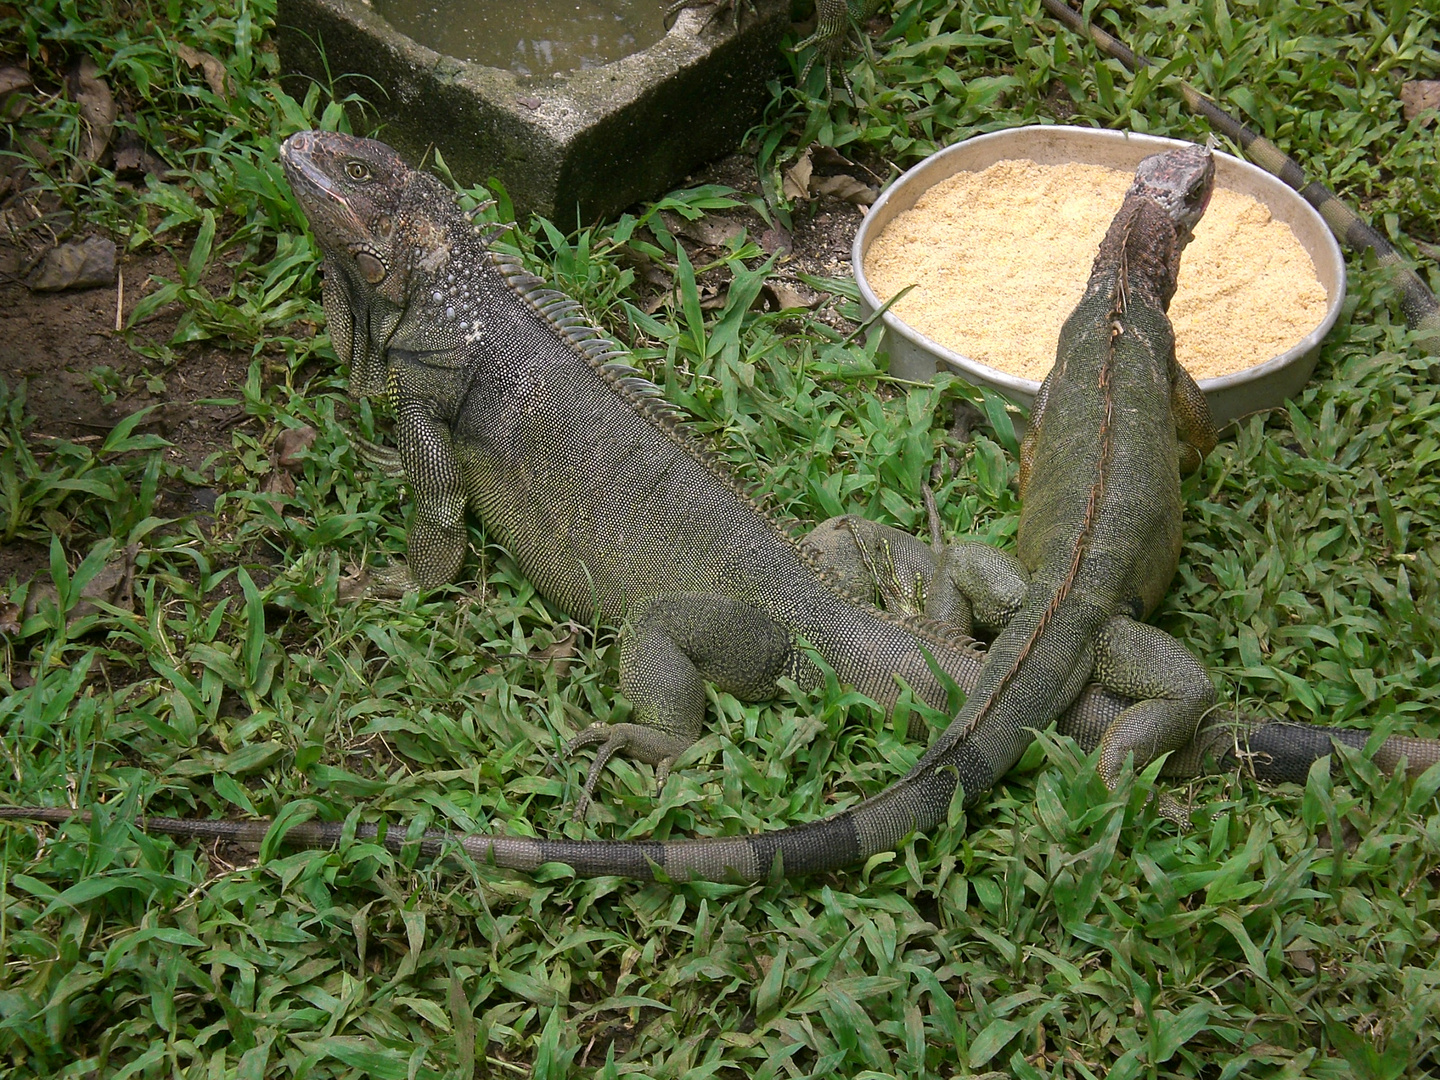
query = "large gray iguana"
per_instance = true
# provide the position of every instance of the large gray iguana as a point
(508, 403)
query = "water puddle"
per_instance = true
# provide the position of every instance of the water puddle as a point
(530, 38)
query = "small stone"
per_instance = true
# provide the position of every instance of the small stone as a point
(80, 264)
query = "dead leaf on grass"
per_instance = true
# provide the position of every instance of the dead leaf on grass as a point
(562, 650)
(285, 459)
(277, 482)
(777, 240)
(782, 296)
(9, 619)
(796, 182)
(1419, 95)
(113, 585)
(1301, 960)
(290, 444)
(13, 104)
(97, 108)
(844, 187)
(351, 588)
(133, 159)
(14, 78)
(214, 71)
(713, 297)
(714, 230)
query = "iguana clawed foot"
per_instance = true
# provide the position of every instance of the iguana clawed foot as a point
(635, 741)
(384, 459)
(836, 33)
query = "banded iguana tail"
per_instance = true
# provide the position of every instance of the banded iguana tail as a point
(506, 401)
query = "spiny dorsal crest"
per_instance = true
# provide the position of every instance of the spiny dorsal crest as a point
(608, 359)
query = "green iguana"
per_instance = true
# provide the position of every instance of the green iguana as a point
(507, 402)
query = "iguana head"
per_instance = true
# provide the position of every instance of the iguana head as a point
(1180, 182)
(382, 230)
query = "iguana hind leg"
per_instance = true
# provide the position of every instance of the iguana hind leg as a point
(672, 646)
(966, 583)
(1172, 691)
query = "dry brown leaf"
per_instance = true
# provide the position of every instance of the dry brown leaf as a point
(1418, 95)
(782, 296)
(562, 650)
(13, 78)
(133, 159)
(844, 187)
(113, 585)
(214, 71)
(290, 444)
(712, 231)
(277, 482)
(1301, 960)
(713, 297)
(351, 588)
(777, 239)
(796, 182)
(9, 619)
(97, 108)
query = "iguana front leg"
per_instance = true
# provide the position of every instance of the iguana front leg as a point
(836, 26)
(835, 23)
(672, 646)
(716, 6)
(1194, 427)
(435, 543)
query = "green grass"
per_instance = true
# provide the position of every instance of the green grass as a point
(1056, 931)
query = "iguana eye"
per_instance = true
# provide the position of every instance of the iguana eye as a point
(357, 170)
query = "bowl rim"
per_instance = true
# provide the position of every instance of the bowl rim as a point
(893, 323)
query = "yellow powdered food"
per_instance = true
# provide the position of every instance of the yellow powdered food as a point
(999, 259)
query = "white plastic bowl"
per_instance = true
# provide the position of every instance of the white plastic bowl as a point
(915, 356)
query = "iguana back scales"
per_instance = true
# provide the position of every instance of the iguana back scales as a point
(508, 402)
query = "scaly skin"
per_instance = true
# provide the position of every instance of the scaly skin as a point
(508, 404)
(910, 577)
(1099, 535)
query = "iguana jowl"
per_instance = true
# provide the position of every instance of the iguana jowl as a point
(508, 403)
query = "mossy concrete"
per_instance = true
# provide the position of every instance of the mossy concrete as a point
(584, 143)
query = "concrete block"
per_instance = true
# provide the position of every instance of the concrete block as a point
(588, 142)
